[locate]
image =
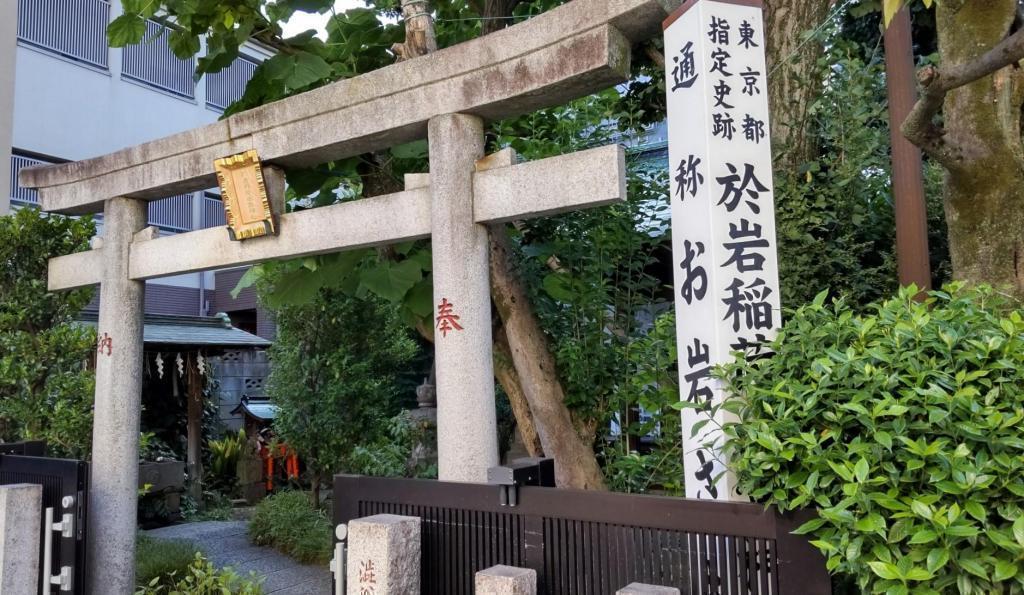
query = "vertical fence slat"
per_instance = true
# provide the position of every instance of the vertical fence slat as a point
(75, 29)
(152, 62)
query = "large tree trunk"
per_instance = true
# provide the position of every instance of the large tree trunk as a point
(505, 373)
(575, 463)
(795, 79)
(984, 191)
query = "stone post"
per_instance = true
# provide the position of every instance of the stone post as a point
(113, 493)
(642, 589)
(20, 512)
(467, 441)
(506, 580)
(383, 555)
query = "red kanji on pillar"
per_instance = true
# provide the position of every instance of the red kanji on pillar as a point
(446, 318)
(106, 342)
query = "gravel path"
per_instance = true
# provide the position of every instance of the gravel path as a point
(225, 543)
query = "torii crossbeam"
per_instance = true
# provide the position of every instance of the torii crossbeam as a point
(447, 96)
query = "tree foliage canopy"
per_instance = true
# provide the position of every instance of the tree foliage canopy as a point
(46, 387)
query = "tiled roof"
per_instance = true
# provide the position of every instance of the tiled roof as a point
(190, 330)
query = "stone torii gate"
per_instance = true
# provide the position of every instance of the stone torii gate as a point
(447, 96)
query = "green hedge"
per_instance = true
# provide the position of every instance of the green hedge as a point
(903, 427)
(288, 523)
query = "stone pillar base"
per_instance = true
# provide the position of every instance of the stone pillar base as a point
(506, 580)
(642, 589)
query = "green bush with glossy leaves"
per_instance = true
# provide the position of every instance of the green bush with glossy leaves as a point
(902, 427)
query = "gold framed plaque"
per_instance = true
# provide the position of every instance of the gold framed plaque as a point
(247, 207)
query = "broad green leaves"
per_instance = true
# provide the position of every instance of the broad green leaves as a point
(125, 30)
(908, 418)
(297, 71)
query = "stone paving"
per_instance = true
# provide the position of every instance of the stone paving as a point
(225, 543)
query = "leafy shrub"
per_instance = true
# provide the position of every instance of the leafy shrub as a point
(202, 578)
(157, 560)
(902, 427)
(653, 386)
(46, 386)
(288, 523)
(394, 454)
(224, 455)
(335, 381)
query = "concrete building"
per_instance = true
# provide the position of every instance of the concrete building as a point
(64, 95)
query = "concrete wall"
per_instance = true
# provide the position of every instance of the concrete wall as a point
(239, 372)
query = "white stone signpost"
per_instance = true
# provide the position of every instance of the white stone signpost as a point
(446, 97)
(723, 216)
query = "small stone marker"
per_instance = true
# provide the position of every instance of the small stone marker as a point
(20, 510)
(506, 580)
(642, 589)
(384, 555)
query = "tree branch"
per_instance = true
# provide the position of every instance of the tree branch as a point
(920, 127)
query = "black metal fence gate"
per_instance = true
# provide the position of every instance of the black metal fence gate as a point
(65, 492)
(592, 543)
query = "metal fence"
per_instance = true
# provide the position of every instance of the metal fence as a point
(213, 212)
(592, 543)
(173, 213)
(19, 195)
(152, 62)
(65, 500)
(227, 86)
(76, 29)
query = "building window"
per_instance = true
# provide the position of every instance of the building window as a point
(23, 196)
(153, 63)
(75, 29)
(227, 86)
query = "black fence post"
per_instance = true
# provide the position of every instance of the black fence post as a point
(801, 566)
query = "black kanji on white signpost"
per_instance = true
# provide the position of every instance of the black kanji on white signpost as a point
(723, 217)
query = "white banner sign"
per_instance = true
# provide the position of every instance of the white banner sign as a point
(723, 216)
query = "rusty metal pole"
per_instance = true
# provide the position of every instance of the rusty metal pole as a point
(907, 169)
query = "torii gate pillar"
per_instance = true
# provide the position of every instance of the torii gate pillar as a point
(114, 474)
(466, 422)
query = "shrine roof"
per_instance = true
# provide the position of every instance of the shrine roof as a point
(209, 331)
(259, 409)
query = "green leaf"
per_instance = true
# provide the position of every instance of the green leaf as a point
(809, 527)
(248, 279)
(974, 567)
(559, 287)
(309, 69)
(1005, 570)
(183, 44)
(975, 510)
(413, 150)
(860, 470)
(923, 536)
(937, 558)
(1018, 530)
(297, 71)
(391, 281)
(127, 29)
(885, 570)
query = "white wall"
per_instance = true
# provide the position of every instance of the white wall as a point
(68, 110)
(8, 37)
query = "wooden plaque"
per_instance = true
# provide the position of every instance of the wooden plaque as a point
(247, 207)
